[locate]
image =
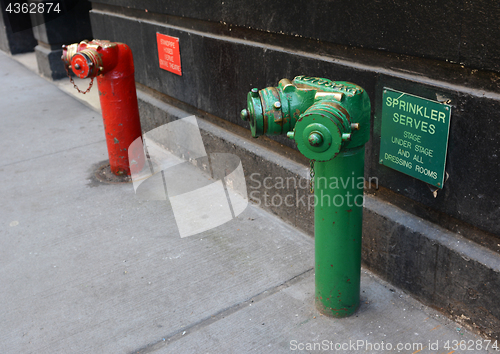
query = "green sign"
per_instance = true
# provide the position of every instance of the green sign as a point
(414, 137)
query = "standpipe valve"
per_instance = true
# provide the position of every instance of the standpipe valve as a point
(330, 123)
(113, 66)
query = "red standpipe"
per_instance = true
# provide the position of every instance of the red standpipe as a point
(113, 66)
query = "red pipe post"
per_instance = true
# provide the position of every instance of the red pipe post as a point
(113, 66)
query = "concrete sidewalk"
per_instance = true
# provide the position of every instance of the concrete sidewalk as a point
(88, 267)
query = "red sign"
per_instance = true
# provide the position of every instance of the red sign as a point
(168, 53)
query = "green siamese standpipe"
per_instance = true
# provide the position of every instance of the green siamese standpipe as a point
(330, 123)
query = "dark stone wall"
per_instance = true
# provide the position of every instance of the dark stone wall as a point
(16, 35)
(459, 31)
(440, 268)
(54, 30)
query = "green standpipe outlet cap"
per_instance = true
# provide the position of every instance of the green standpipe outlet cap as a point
(290, 135)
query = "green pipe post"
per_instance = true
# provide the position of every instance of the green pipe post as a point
(338, 216)
(330, 122)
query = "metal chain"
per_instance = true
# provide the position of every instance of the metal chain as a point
(311, 174)
(74, 85)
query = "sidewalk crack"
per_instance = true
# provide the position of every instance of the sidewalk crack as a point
(204, 322)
